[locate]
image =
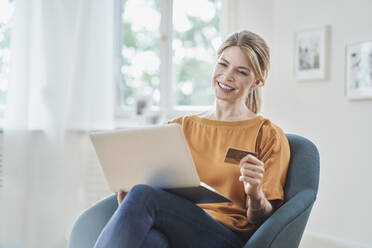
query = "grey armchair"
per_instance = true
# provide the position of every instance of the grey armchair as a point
(283, 229)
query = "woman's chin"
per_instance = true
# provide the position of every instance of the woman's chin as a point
(224, 98)
(221, 95)
(231, 99)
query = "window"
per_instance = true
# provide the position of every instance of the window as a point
(168, 52)
(6, 11)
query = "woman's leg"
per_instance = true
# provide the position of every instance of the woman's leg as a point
(183, 223)
(155, 239)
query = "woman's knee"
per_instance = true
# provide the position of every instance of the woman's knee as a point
(141, 191)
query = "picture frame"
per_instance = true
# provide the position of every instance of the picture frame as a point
(359, 71)
(311, 52)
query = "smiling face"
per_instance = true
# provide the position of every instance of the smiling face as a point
(232, 77)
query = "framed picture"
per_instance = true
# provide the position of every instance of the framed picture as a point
(310, 53)
(359, 70)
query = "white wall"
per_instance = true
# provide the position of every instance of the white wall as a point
(318, 110)
(253, 15)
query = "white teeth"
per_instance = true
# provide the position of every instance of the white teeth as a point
(224, 86)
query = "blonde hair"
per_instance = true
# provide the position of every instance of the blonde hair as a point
(259, 58)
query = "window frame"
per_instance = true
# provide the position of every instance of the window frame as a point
(167, 107)
(3, 106)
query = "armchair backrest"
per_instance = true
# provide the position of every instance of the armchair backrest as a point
(284, 228)
(303, 172)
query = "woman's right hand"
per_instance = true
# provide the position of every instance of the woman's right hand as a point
(120, 196)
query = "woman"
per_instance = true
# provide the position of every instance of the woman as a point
(149, 217)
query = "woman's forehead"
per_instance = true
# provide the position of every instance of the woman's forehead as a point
(235, 56)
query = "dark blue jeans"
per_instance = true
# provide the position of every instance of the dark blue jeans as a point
(150, 217)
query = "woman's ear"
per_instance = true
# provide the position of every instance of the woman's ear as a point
(255, 84)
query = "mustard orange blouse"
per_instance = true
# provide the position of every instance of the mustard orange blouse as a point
(208, 141)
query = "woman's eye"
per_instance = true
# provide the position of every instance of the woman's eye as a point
(243, 73)
(223, 64)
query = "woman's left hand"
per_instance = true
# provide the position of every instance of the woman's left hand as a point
(252, 171)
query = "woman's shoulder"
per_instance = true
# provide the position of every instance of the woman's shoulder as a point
(269, 127)
(184, 118)
(180, 119)
(270, 133)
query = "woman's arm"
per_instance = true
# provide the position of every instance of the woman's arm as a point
(252, 171)
(259, 209)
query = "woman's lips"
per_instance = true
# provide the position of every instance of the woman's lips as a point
(225, 87)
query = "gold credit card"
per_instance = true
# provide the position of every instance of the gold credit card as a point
(234, 155)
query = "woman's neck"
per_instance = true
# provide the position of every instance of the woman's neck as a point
(230, 112)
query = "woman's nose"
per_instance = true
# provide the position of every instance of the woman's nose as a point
(228, 75)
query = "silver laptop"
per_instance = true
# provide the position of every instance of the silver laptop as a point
(157, 156)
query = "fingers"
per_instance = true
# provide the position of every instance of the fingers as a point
(251, 167)
(120, 196)
(252, 176)
(251, 163)
(250, 180)
(251, 159)
(251, 170)
(252, 173)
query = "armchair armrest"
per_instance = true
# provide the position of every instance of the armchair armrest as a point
(90, 223)
(284, 228)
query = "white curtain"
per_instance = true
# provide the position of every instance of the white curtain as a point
(61, 86)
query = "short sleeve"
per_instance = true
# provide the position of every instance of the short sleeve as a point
(273, 150)
(178, 120)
